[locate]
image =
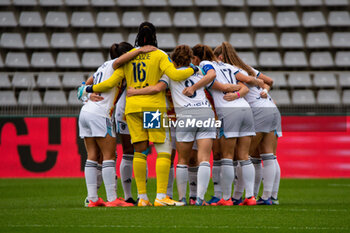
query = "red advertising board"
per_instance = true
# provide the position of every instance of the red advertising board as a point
(50, 147)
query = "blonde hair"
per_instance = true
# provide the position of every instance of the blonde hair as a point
(230, 56)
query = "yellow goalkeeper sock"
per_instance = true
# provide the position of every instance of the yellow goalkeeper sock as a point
(162, 170)
(140, 165)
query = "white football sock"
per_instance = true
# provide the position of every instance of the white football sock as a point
(126, 174)
(91, 179)
(248, 176)
(99, 175)
(239, 186)
(108, 174)
(181, 180)
(161, 195)
(192, 179)
(269, 172)
(143, 196)
(276, 183)
(170, 187)
(258, 174)
(227, 177)
(203, 179)
(216, 178)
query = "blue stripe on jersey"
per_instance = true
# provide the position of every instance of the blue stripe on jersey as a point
(258, 74)
(167, 85)
(236, 72)
(208, 67)
(211, 84)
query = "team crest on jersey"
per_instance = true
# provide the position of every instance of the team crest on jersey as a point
(151, 119)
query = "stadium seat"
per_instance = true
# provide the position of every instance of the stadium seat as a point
(191, 39)
(77, 2)
(5, 3)
(346, 97)
(321, 59)
(11, 40)
(248, 58)
(1, 62)
(72, 80)
(5, 81)
(68, 60)
(7, 19)
(82, 19)
(62, 40)
(206, 2)
(73, 100)
(110, 38)
(87, 40)
(234, 3)
(324, 79)
(266, 40)
(23, 80)
(36, 40)
(129, 2)
(281, 97)
(258, 3)
(309, 3)
(299, 79)
(185, 19)
(30, 19)
(47, 80)
(154, 3)
(342, 59)
(210, 19)
(241, 40)
(131, 38)
(50, 3)
(261, 19)
(107, 19)
(317, 40)
(103, 3)
(341, 39)
(302, 97)
(279, 79)
(328, 97)
(236, 19)
(284, 2)
(166, 40)
(287, 19)
(56, 19)
(29, 98)
(213, 39)
(291, 40)
(313, 19)
(344, 79)
(42, 60)
(336, 2)
(24, 2)
(17, 59)
(132, 19)
(180, 3)
(92, 59)
(55, 98)
(160, 19)
(295, 59)
(339, 18)
(7, 98)
(270, 59)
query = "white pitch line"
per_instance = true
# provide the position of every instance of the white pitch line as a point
(177, 227)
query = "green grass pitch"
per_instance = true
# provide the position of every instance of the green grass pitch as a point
(56, 205)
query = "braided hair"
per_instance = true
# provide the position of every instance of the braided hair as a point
(146, 35)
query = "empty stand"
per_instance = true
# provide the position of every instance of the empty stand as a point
(248, 58)
(42, 60)
(17, 59)
(313, 19)
(11, 40)
(302, 97)
(339, 18)
(185, 19)
(129, 3)
(48, 80)
(261, 19)
(299, 79)
(344, 79)
(77, 2)
(55, 98)
(87, 40)
(279, 79)
(236, 19)
(7, 19)
(62, 40)
(56, 19)
(23, 80)
(36, 40)
(166, 40)
(266, 40)
(190, 39)
(241, 40)
(107, 19)
(5, 81)
(291, 40)
(29, 98)
(284, 2)
(92, 59)
(324, 79)
(160, 19)
(210, 19)
(346, 97)
(73, 100)
(281, 97)
(328, 97)
(321, 59)
(155, 3)
(82, 19)
(287, 19)
(30, 19)
(341, 39)
(342, 59)
(132, 19)
(213, 39)
(270, 59)
(7, 98)
(50, 3)
(72, 80)
(68, 60)
(103, 3)
(317, 40)
(110, 38)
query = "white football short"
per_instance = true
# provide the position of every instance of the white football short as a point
(265, 119)
(92, 125)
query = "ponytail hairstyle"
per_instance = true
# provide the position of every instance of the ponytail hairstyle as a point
(230, 56)
(117, 50)
(182, 55)
(146, 35)
(204, 52)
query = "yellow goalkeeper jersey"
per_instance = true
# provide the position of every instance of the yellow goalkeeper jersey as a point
(144, 70)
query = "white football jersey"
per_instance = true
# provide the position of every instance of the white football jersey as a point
(198, 99)
(225, 73)
(253, 96)
(105, 107)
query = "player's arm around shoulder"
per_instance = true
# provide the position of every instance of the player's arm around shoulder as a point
(115, 80)
(132, 54)
(150, 90)
(168, 68)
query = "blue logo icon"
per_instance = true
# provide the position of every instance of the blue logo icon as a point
(151, 120)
